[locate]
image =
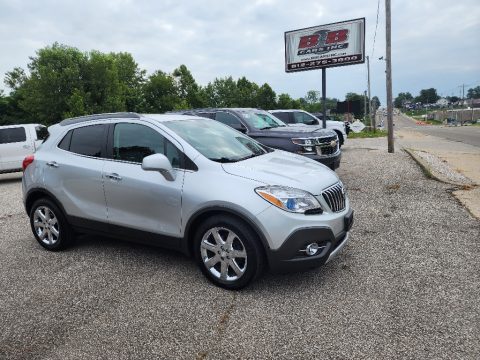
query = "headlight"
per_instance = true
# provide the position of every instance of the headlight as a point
(289, 199)
(303, 142)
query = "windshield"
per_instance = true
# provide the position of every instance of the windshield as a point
(261, 119)
(216, 141)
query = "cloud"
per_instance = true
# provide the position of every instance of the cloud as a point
(433, 41)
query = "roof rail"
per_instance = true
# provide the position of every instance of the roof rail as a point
(118, 115)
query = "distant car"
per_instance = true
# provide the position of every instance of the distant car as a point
(190, 184)
(297, 117)
(17, 141)
(311, 141)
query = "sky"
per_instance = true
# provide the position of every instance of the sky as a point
(435, 43)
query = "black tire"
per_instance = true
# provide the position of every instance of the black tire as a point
(245, 240)
(52, 231)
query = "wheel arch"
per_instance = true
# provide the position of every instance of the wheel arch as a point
(202, 215)
(38, 193)
(340, 136)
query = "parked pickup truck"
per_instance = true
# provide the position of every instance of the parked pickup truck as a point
(311, 141)
(17, 141)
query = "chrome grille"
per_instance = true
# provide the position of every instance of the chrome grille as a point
(335, 197)
(325, 140)
(324, 146)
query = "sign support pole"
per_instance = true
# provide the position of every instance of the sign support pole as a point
(324, 97)
(388, 24)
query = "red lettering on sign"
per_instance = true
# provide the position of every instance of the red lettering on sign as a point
(336, 36)
(308, 41)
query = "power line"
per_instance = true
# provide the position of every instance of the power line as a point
(376, 26)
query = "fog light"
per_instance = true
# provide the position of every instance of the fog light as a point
(312, 249)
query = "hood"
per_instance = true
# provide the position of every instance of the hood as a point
(287, 169)
(297, 131)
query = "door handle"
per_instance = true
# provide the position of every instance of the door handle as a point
(26, 147)
(114, 176)
(52, 164)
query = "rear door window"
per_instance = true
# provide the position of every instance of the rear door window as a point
(12, 135)
(303, 118)
(227, 119)
(284, 116)
(88, 140)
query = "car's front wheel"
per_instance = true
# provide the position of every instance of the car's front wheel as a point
(228, 252)
(49, 225)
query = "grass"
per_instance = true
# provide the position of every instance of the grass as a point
(367, 134)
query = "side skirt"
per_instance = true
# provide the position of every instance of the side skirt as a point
(128, 234)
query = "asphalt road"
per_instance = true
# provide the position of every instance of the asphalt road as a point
(406, 287)
(465, 134)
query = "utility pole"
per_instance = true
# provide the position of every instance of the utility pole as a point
(365, 107)
(388, 60)
(372, 120)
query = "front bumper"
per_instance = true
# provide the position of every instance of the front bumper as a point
(291, 257)
(332, 161)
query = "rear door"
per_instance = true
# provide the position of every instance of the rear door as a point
(139, 199)
(74, 174)
(14, 146)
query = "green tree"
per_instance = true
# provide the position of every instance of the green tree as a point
(247, 92)
(64, 82)
(15, 79)
(427, 96)
(221, 93)
(266, 98)
(160, 93)
(375, 102)
(453, 99)
(188, 89)
(401, 99)
(55, 72)
(474, 93)
(103, 89)
(131, 79)
(285, 102)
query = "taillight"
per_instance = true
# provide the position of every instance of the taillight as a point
(27, 161)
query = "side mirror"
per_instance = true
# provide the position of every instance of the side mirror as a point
(239, 127)
(312, 122)
(160, 163)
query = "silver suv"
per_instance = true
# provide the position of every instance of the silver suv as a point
(190, 184)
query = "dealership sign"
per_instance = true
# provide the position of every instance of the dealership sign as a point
(323, 46)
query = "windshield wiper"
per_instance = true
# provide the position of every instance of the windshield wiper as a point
(266, 127)
(224, 160)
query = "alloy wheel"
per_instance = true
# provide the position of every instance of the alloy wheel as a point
(223, 254)
(46, 225)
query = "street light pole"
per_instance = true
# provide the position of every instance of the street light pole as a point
(388, 60)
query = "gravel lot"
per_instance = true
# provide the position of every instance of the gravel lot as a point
(406, 287)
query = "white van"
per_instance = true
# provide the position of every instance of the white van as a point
(18, 141)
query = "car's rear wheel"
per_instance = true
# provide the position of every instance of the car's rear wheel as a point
(228, 252)
(49, 225)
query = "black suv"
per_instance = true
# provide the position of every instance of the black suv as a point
(317, 143)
